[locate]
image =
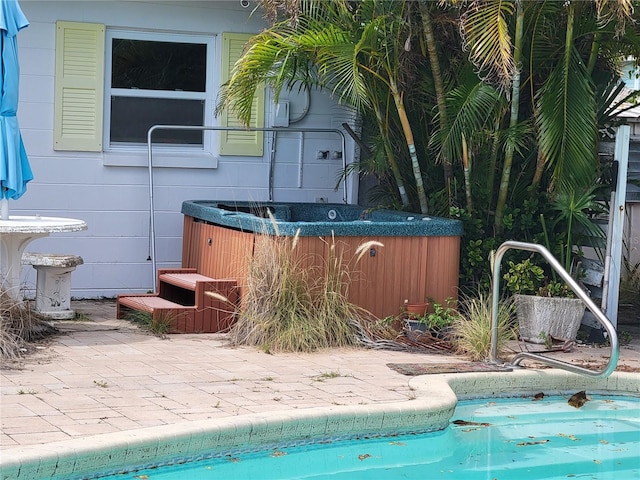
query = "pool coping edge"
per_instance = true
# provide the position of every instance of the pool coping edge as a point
(436, 397)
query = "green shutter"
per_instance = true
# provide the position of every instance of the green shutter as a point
(240, 142)
(79, 86)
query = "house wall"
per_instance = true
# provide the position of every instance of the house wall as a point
(632, 237)
(632, 207)
(114, 200)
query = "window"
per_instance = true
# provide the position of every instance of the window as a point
(154, 78)
(139, 79)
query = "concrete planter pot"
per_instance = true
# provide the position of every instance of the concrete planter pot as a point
(539, 317)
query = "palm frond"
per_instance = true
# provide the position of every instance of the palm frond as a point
(543, 40)
(612, 99)
(485, 28)
(577, 208)
(566, 122)
(333, 51)
(470, 109)
(619, 12)
(269, 57)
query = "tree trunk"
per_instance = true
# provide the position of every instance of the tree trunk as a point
(408, 134)
(515, 109)
(404, 198)
(466, 162)
(439, 87)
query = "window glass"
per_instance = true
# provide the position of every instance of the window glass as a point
(152, 65)
(132, 117)
(158, 79)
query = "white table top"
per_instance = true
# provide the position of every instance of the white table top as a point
(38, 224)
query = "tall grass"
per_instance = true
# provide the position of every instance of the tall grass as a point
(471, 331)
(288, 306)
(162, 324)
(276, 299)
(19, 325)
(331, 305)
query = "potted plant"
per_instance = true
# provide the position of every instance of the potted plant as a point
(545, 308)
(414, 315)
(440, 320)
(414, 311)
(434, 320)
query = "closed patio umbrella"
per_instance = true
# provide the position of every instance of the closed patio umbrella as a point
(15, 171)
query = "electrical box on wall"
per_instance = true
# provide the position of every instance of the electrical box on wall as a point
(281, 114)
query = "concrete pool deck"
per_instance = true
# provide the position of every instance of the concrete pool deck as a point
(103, 375)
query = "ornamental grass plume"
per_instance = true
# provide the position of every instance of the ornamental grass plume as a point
(471, 331)
(288, 305)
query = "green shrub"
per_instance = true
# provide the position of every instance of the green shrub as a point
(527, 278)
(524, 278)
(442, 315)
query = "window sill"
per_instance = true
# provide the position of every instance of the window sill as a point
(161, 159)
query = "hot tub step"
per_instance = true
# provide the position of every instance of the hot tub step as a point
(184, 319)
(188, 281)
(200, 304)
(161, 310)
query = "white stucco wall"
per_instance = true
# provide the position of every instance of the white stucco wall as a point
(114, 200)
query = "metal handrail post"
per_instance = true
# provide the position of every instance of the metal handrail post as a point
(581, 294)
(151, 130)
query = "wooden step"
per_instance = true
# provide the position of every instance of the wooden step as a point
(193, 299)
(212, 316)
(182, 318)
(148, 303)
(188, 281)
(189, 289)
(162, 271)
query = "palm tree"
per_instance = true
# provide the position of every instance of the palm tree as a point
(353, 49)
(518, 44)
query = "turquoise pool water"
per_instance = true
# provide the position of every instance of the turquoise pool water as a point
(518, 438)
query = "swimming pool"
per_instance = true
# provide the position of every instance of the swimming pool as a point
(526, 438)
(431, 410)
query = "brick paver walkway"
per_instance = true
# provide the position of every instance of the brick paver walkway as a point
(104, 375)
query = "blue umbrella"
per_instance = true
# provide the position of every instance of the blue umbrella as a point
(15, 171)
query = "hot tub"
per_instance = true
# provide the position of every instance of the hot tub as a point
(419, 260)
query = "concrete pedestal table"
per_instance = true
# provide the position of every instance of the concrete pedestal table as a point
(16, 233)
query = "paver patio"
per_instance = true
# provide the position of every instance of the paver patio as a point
(104, 375)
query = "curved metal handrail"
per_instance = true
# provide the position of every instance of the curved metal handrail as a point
(152, 129)
(613, 337)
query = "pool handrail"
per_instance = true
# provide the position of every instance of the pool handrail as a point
(580, 293)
